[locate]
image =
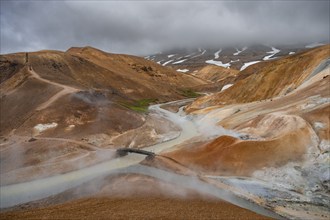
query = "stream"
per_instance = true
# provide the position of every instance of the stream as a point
(11, 195)
(15, 194)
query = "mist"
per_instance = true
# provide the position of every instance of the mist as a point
(147, 27)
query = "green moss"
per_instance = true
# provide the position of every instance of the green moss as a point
(189, 93)
(140, 106)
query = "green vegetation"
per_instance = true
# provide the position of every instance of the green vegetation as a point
(140, 106)
(189, 93)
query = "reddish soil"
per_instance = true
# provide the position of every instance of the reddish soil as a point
(137, 208)
(271, 79)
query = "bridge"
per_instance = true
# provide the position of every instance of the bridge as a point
(124, 151)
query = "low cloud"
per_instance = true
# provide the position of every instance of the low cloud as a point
(146, 27)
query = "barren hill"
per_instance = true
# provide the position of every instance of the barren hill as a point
(260, 141)
(270, 79)
(238, 58)
(85, 81)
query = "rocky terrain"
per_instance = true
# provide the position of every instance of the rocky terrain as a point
(191, 61)
(224, 139)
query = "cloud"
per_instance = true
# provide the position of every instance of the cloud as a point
(145, 27)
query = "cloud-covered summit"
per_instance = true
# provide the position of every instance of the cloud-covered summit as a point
(145, 27)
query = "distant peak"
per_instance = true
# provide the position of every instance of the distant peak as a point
(83, 49)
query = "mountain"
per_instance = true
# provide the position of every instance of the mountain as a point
(53, 85)
(88, 130)
(192, 60)
(272, 78)
(278, 118)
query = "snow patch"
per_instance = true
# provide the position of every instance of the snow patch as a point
(43, 127)
(216, 54)
(171, 55)
(248, 64)
(167, 62)
(218, 63)
(239, 51)
(226, 87)
(189, 55)
(292, 53)
(272, 53)
(180, 61)
(182, 70)
(316, 44)
(198, 55)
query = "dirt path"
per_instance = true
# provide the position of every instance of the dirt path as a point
(65, 89)
(86, 145)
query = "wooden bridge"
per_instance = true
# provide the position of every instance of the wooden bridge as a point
(124, 151)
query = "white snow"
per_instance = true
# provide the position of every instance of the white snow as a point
(239, 51)
(292, 53)
(204, 51)
(248, 64)
(43, 127)
(182, 70)
(151, 57)
(233, 61)
(316, 44)
(167, 62)
(218, 63)
(172, 55)
(216, 54)
(272, 53)
(226, 87)
(180, 61)
(189, 55)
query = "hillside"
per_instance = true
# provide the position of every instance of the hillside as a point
(84, 80)
(215, 73)
(277, 134)
(237, 58)
(270, 79)
(85, 123)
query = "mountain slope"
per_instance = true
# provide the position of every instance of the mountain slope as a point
(50, 86)
(215, 73)
(292, 129)
(272, 78)
(237, 58)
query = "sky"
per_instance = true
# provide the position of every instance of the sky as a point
(148, 27)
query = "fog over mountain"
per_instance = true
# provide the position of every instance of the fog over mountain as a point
(146, 27)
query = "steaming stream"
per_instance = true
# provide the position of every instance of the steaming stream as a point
(15, 194)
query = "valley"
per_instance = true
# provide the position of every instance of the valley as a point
(89, 134)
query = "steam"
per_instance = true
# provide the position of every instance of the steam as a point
(40, 188)
(207, 126)
(92, 97)
(14, 194)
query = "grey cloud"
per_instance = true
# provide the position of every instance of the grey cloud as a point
(144, 27)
